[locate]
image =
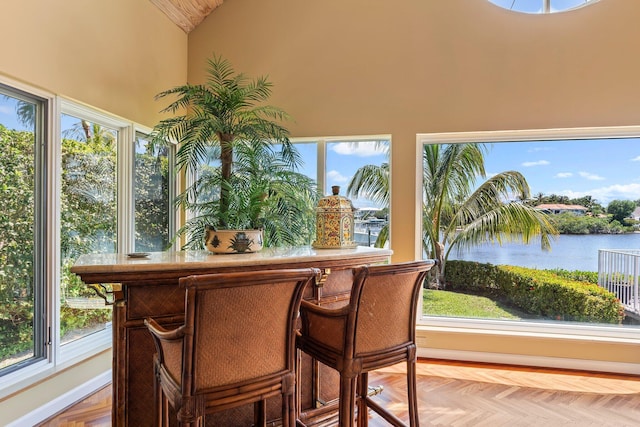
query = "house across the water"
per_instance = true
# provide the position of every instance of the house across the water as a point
(559, 208)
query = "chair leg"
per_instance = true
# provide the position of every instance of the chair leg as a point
(361, 400)
(289, 415)
(160, 406)
(412, 396)
(260, 413)
(347, 401)
(164, 411)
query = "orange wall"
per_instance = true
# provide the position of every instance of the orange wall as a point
(413, 66)
(404, 67)
(115, 55)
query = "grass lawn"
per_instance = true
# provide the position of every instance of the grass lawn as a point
(454, 304)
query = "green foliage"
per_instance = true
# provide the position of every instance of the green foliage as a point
(620, 209)
(568, 223)
(226, 140)
(16, 241)
(16, 320)
(87, 221)
(457, 213)
(577, 275)
(263, 192)
(73, 319)
(472, 276)
(152, 204)
(538, 292)
(372, 182)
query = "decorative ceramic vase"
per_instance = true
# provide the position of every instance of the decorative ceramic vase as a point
(232, 241)
(334, 222)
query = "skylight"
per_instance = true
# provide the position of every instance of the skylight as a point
(541, 6)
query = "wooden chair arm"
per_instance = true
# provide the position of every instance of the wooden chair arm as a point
(324, 311)
(323, 326)
(162, 333)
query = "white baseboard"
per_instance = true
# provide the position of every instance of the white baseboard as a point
(62, 402)
(525, 360)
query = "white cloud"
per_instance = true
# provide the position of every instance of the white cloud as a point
(536, 163)
(5, 109)
(563, 175)
(360, 148)
(591, 176)
(636, 159)
(538, 149)
(334, 175)
(604, 195)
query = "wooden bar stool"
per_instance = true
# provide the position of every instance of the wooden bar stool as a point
(236, 346)
(376, 329)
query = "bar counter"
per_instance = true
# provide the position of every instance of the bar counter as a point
(148, 287)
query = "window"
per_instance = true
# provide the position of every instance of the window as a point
(153, 194)
(22, 305)
(577, 179)
(541, 6)
(337, 161)
(88, 218)
(67, 186)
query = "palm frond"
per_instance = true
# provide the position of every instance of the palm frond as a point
(371, 182)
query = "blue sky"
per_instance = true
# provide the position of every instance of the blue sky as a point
(8, 113)
(343, 160)
(605, 169)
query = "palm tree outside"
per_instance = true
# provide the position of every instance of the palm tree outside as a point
(372, 182)
(457, 213)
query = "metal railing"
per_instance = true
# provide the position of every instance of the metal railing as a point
(618, 271)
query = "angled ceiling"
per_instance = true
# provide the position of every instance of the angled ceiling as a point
(187, 14)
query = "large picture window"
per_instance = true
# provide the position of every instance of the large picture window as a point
(535, 227)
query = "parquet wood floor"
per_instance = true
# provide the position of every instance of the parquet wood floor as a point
(457, 394)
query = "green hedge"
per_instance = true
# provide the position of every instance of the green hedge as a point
(538, 292)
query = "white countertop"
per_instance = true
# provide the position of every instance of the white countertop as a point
(162, 261)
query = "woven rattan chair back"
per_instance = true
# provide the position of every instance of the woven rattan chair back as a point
(236, 345)
(376, 329)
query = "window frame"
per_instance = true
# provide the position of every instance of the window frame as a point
(40, 311)
(530, 328)
(56, 356)
(321, 179)
(174, 178)
(12, 379)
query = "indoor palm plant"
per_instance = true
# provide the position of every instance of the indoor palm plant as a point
(237, 153)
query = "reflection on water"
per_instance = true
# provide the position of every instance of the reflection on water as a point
(570, 252)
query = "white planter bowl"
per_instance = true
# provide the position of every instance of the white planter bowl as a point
(233, 241)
